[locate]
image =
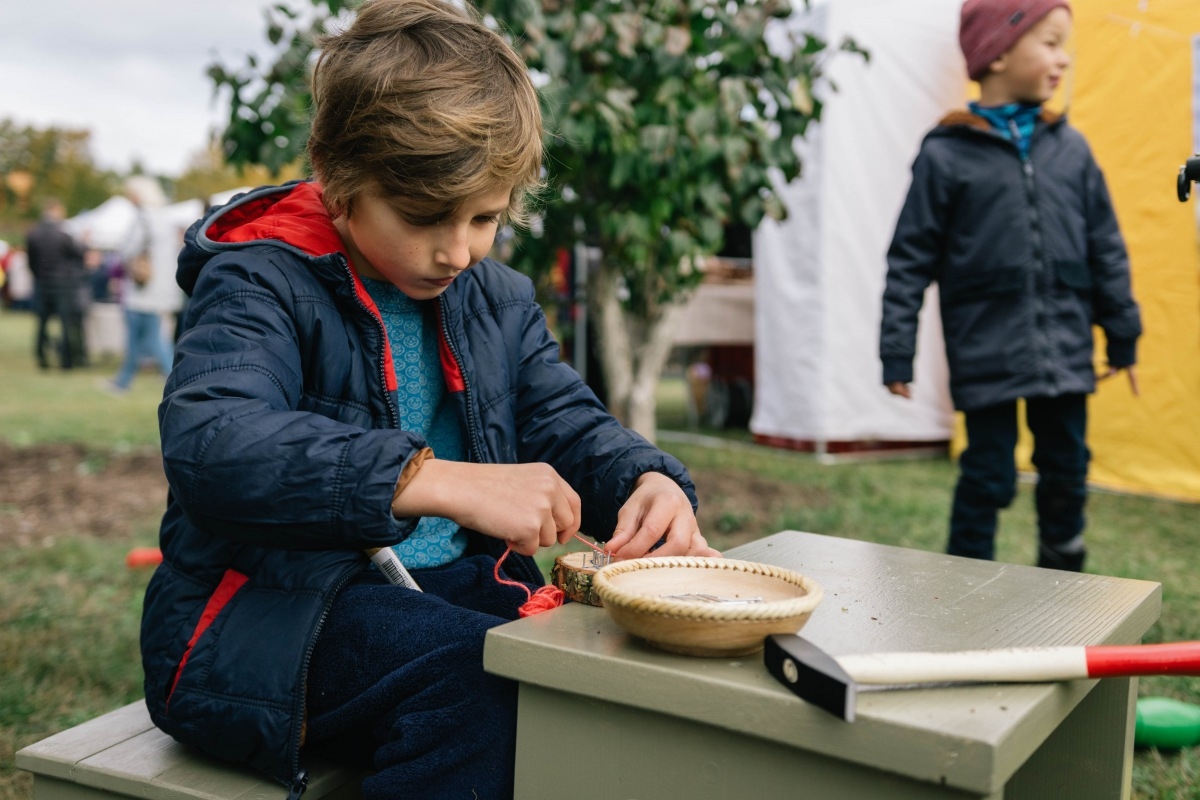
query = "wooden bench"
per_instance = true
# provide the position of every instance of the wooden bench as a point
(122, 754)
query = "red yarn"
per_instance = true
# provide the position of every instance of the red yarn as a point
(544, 599)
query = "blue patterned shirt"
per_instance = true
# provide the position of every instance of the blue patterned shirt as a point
(412, 331)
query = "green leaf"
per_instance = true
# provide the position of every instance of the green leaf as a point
(664, 120)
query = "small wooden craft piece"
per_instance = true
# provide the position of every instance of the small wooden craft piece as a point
(573, 574)
(715, 607)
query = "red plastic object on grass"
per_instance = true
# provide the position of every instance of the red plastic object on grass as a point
(143, 557)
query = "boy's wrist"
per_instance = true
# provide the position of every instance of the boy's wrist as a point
(409, 472)
(897, 369)
(1121, 352)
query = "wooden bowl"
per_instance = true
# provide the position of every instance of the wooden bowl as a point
(659, 600)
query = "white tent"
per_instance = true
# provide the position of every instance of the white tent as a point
(221, 198)
(819, 275)
(108, 225)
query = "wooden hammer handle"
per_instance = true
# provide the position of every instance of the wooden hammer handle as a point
(1024, 664)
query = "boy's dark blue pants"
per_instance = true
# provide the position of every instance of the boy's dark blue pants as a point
(988, 478)
(396, 684)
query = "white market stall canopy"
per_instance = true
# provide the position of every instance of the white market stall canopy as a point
(819, 275)
(109, 225)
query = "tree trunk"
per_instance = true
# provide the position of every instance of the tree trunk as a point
(633, 351)
(613, 343)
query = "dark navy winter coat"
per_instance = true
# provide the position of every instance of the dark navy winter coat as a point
(1027, 256)
(282, 448)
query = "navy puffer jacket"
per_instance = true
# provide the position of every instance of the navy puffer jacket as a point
(1027, 255)
(282, 449)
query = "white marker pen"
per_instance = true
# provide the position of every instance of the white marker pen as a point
(393, 569)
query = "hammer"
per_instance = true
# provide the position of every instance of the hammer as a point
(831, 683)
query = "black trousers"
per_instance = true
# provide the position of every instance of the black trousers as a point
(396, 685)
(63, 303)
(988, 478)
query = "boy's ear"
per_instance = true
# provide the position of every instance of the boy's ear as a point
(999, 65)
(337, 210)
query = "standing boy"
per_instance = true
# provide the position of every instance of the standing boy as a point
(1010, 214)
(340, 334)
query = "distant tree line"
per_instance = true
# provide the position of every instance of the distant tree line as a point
(39, 163)
(36, 163)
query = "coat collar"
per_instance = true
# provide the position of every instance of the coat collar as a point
(961, 118)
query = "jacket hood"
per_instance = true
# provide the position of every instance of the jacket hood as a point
(292, 216)
(961, 119)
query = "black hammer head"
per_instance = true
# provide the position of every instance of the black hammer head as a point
(810, 674)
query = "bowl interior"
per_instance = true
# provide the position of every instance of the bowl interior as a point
(668, 583)
(703, 606)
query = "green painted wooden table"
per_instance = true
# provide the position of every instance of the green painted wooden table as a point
(605, 716)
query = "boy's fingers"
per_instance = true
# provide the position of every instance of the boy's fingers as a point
(656, 538)
(1130, 371)
(548, 534)
(633, 535)
(681, 539)
(701, 547)
(627, 526)
(567, 513)
(617, 541)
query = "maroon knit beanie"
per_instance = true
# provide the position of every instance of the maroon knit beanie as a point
(990, 27)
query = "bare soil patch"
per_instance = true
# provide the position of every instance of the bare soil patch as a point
(66, 490)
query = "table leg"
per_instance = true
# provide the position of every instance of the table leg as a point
(1090, 755)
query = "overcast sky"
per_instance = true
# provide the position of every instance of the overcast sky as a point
(131, 71)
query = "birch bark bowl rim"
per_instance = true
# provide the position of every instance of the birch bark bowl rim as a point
(636, 595)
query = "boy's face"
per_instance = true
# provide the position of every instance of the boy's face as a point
(1033, 67)
(421, 256)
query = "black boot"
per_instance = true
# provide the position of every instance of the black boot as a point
(1050, 558)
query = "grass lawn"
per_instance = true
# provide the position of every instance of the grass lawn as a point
(69, 607)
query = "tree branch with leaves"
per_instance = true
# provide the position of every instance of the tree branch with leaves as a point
(666, 121)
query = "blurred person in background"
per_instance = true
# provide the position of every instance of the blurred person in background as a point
(56, 260)
(155, 235)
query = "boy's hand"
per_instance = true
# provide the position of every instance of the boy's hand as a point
(657, 509)
(1133, 384)
(900, 388)
(527, 505)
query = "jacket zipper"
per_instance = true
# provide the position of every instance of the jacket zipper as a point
(1040, 341)
(393, 412)
(477, 449)
(300, 781)
(1041, 275)
(298, 785)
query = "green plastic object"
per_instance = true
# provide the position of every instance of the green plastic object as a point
(1166, 723)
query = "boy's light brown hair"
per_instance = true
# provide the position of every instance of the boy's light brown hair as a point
(420, 101)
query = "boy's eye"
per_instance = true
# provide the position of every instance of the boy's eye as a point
(423, 220)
